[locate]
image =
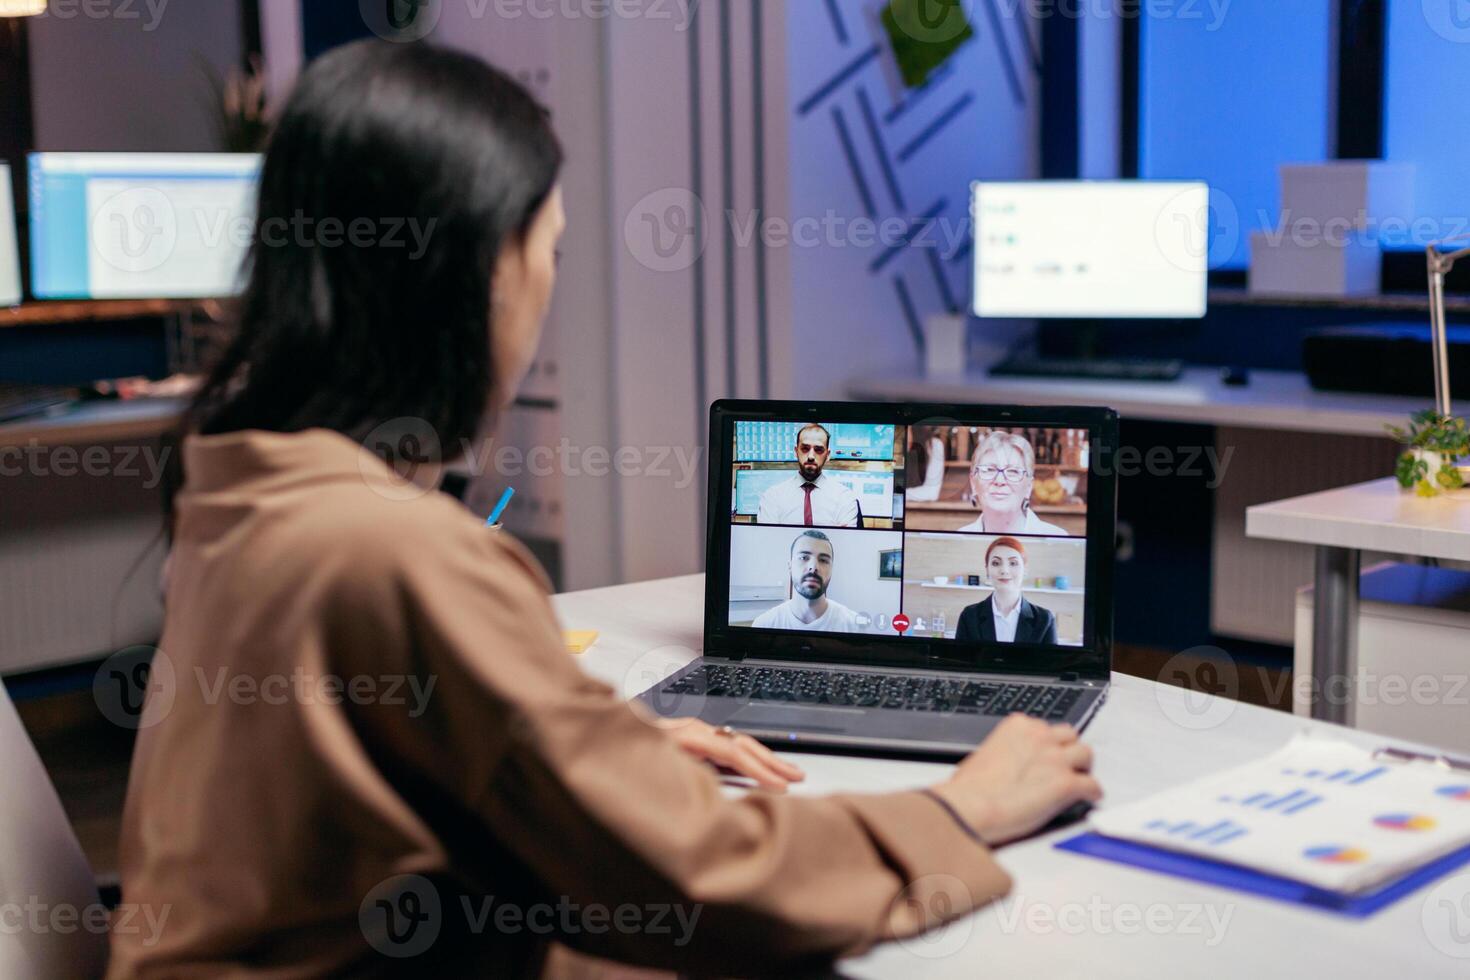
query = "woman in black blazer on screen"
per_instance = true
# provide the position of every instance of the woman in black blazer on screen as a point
(1006, 617)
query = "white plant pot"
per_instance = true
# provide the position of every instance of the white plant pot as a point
(1435, 460)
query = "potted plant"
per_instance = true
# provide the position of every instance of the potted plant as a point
(241, 111)
(1433, 443)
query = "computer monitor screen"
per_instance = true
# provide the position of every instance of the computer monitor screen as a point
(965, 535)
(140, 225)
(1091, 249)
(10, 286)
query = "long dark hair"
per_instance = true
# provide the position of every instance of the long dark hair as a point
(439, 160)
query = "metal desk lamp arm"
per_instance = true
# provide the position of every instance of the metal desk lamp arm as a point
(1440, 264)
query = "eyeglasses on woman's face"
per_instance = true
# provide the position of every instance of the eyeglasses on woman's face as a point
(1007, 474)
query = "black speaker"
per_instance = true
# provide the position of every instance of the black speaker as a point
(1384, 359)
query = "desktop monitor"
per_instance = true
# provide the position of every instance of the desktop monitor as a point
(1091, 249)
(140, 225)
(10, 286)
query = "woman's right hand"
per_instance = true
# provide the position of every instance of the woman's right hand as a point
(1024, 774)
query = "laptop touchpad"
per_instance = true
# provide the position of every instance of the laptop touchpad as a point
(812, 718)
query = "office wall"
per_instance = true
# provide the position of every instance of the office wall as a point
(568, 396)
(1224, 100)
(695, 152)
(1100, 94)
(281, 46)
(131, 77)
(864, 150)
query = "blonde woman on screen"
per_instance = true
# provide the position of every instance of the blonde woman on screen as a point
(1002, 474)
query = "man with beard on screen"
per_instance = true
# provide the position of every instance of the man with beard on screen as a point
(810, 498)
(810, 609)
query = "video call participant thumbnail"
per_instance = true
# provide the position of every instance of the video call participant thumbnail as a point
(1006, 616)
(810, 498)
(811, 566)
(1002, 477)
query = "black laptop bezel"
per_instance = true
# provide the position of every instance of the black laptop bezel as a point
(1091, 661)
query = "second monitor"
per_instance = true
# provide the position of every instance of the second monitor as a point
(1091, 249)
(10, 285)
(140, 225)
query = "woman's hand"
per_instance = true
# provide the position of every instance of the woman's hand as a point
(1020, 777)
(733, 752)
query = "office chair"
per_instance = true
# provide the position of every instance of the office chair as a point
(42, 867)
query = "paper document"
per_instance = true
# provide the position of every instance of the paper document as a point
(1318, 811)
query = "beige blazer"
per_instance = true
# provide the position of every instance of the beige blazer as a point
(361, 683)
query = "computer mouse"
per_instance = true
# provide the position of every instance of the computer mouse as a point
(1072, 814)
(1235, 377)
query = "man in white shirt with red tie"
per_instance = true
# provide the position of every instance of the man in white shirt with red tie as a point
(810, 498)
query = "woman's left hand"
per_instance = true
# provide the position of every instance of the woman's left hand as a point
(733, 752)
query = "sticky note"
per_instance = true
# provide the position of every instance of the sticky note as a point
(579, 640)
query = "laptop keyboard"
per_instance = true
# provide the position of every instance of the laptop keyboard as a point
(898, 692)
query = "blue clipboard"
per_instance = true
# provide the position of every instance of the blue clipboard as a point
(1235, 877)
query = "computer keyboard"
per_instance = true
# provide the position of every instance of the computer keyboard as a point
(898, 692)
(1026, 366)
(18, 401)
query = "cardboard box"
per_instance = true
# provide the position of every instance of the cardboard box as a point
(1292, 266)
(1360, 192)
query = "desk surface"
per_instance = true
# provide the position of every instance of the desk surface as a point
(1071, 916)
(95, 422)
(1376, 516)
(1276, 400)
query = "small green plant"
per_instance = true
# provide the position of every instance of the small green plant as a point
(238, 103)
(1434, 443)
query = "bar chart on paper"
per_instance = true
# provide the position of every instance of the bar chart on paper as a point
(1215, 834)
(1347, 777)
(1285, 804)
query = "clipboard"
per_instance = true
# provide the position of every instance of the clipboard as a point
(1235, 877)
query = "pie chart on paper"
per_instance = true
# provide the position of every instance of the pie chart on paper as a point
(1335, 854)
(1412, 822)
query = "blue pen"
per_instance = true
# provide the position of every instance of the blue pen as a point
(500, 507)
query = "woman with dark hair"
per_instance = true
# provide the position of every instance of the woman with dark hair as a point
(364, 739)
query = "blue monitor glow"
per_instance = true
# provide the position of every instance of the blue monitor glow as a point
(1126, 249)
(775, 442)
(10, 284)
(140, 225)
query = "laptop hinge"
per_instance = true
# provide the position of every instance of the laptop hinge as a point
(1070, 676)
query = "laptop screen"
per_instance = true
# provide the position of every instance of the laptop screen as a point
(963, 535)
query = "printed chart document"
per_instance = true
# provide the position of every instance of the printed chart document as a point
(1318, 811)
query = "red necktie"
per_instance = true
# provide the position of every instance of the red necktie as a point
(807, 508)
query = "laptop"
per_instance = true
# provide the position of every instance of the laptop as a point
(901, 578)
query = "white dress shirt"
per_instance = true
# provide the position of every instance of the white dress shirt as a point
(1005, 624)
(837, 619)
(833, 503)
(1034, 525)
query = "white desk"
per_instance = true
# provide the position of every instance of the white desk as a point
(97, 422)
(1072, 916)
(1281, 401)
(1342, 524)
